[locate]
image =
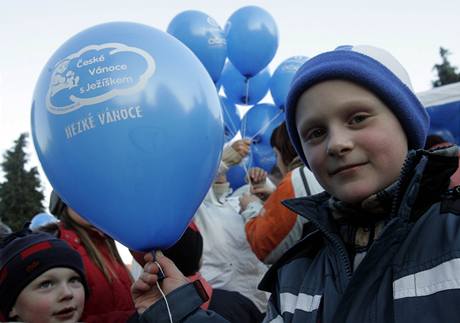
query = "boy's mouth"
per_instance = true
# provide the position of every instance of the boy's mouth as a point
(66, 311)
(344, 168)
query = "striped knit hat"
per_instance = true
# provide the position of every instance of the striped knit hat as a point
(24, 256)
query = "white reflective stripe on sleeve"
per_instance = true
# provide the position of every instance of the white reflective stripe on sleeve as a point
(445, 276)
(304, 302)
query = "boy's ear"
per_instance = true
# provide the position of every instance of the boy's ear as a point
(13, 313)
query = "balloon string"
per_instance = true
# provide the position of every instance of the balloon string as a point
(163, 294)
(247, 92)
(265, 126)
(244, 163)
(246, 168)
(262, 129)
(233, 130)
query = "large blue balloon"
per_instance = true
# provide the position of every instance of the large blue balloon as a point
(252, 39)
(204, 37)
(242, 90)
(282, 77)
(258, 125)
(232, 118)
(127, 125)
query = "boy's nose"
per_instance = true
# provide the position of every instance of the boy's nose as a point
(66, 292)
(339, 143)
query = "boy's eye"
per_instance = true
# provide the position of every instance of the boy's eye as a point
(315, 133)
(358, 118)
(45, 284)
(75, 280)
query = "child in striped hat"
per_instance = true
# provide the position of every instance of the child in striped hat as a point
(41, 279)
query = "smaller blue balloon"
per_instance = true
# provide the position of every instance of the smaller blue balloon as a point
(236, 176)
(252, 39)
(242, 90)
(260, 155)
(259, 122)
(232, 118)
(258, 125)
(282, 78)
(40, 220)
(203, 35)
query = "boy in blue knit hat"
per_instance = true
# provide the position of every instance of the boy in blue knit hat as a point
(386, 240)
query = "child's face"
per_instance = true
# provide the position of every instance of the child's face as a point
(353, 143)
(279, 162)
(57, 295)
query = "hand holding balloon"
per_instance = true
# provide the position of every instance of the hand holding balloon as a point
(145, 290)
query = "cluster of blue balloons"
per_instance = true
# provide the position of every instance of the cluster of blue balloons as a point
(237, 59)
(129, 126)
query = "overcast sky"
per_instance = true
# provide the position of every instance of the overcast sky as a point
(32, 30)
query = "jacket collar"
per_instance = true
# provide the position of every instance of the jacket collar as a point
(424, 177)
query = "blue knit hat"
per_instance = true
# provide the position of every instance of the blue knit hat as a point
(372, 68)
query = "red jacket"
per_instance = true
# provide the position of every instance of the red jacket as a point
(107, 302)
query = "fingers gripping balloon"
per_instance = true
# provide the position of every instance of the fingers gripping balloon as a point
(119, 113)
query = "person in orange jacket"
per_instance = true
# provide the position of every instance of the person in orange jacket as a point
(271, 228)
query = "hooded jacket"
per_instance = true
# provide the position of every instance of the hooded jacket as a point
(411, 273)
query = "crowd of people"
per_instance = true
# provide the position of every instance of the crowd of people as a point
(363, 225)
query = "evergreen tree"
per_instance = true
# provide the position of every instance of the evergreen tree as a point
(446, 73)
(21, 195)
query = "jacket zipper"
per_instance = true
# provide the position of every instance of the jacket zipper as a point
(408, 164)
(339, 246)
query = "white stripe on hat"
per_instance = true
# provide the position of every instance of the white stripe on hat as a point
(386, 59)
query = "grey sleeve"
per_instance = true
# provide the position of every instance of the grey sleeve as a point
(184, 304)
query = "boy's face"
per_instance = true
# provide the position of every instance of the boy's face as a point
(353, 143)
(57, 295)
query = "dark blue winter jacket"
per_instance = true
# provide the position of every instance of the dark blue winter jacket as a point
(411, 273)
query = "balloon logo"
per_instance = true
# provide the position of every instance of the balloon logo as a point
(127, 125)
(64, 95)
